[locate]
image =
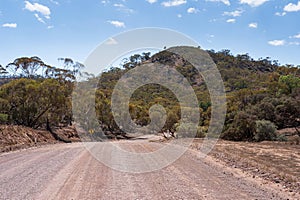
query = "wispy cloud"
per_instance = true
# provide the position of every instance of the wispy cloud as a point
(296, 36)
(231, 21)
(122, 8)
(39, 18)
(210, 37)
(111, 41)
(36, 7)
(151, 1)
(277, 42)
(173, 3)
(54, 2)
(119, 5)
(105, 1)
(192, 10)
(10, 25)
(294, 43)
(280, 14)
(236, 13)
(117, 24)
(226, 2)
(253, 25)
(292, 7)
(253, 3)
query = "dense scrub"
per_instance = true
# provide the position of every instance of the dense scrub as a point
(262, 95)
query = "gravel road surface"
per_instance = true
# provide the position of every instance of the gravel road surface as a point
(68, 171)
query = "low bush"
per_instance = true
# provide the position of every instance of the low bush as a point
(265, 130)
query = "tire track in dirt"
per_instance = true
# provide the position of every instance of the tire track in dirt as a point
(19, 165)
(24, 180)
(71, 172)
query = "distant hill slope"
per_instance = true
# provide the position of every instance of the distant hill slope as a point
(238, 72)
(249, 85)
(261, 96)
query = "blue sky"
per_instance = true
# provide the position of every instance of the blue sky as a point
(52, 29)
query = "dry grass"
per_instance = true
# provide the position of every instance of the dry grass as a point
(278, 162)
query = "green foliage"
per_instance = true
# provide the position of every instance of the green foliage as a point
(3, 118)
(30, 103)
(256, 90)
(265, 130)
(135, 60)
(187, 130)
(281, 138)
(289, 83)
(26, 67)
(37, 95)
(265, 110)
(287, 113)
(242, 128)
(252, 94)
(201, 132)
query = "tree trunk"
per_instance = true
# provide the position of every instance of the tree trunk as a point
(56, 137)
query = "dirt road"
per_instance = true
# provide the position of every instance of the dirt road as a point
(68, 171)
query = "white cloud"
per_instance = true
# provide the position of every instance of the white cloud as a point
(39, 18)
(10, 25)
(294, 43)
(277, 42)
(253, 3)
(173, 3)
(179, 15)
(210, 37)
(226, 2)
(54, 2)
(296, 36)
(123, 8)
(235, 13)
(50, 27)
(192, 10)
(117, 24)
(111, 41)
(292, 7)
(280, 14)
(36, 7)
(151, 1)
(231, 21)
(119, 5)
(253, 25)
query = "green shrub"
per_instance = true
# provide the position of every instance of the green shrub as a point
(242, 128)
(282, 138)
(265, 130)
(186, 130)
(3, 118)
(232, 134)
(201, 132)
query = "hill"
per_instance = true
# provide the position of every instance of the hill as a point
(262, 95)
